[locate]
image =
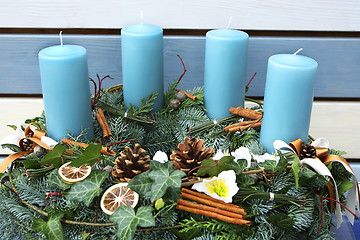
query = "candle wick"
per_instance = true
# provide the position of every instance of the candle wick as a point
(141, 16)
(61, 40)
(298, 51)
(228, 26)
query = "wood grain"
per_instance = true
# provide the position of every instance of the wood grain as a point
(338, 58)
(325, 15)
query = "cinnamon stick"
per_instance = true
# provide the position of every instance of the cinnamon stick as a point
(213, 215)
(248, 125)
(210, 209)
(204, 196)
(104, 150)
(245, 123)
(224, 206)
(103, 124)
(244, 112)
(188, 94)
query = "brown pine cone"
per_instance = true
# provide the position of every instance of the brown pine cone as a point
(26, 144)
(190, 154)
(307, 151)
(130, 163)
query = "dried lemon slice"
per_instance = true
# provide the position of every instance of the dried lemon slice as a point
(116, 196)
(71, 174)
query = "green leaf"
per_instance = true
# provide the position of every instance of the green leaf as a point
(86, 190)
(141, 184)
(282, 221)
(344, 186)
(187, 235)
(238, 166)
(127, 221)
(282, 164)
(12, 126)
(85, 235)
(268, 164)
(54, 156)
(31, 164)
(221, 165)
(52, 228)
(284, 190)
(295, 169)
(164, 180)
(89, 156)
(55, 180)
(12, 147)
(244, 180)
(207, 170)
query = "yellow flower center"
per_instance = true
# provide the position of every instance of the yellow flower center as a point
(218, 186)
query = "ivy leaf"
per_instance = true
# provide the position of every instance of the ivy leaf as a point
(127, 221)
(12, 147)
(282, 221)
(141, 184)
(268, 164)
(207, 170)
(89, 156)
(238, 166)
(55, 180)
(54, 156)
(295, 169)
(89, 188)
(345, 185)
(215, 168)
(52, 228)
(164, 180)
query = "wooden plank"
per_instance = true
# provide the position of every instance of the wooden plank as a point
(322, 15)
(338, 58)
(336, 121)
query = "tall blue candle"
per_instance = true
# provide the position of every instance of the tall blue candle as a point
(288, 99)
(226, 53)
(142, 64)
(66, 91)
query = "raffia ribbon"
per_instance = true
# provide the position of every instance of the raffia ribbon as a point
(38, 138)
(319, 165)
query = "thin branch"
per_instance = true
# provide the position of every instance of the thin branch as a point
(183, 72)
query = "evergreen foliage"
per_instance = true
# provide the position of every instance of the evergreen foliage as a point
(296, 221)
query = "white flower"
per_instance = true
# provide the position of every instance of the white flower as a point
(240, 153)
(14, 138)
(264, 157)
(160, 157)
(222, 187)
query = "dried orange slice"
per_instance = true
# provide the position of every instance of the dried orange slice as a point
(116, 196)
(71, 174)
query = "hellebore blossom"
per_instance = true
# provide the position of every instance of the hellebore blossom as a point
(240, 153)
(222, 187)
(160, 157)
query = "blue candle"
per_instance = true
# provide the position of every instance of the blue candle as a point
(66, 91)
(288, 99)
(142, 64)
(225, 71)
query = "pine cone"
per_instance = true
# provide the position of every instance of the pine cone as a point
(130, 163)
(26, 144)
(307, 151)
(190, 154)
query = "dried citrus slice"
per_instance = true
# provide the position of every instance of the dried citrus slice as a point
(116, 196)
(71, 174)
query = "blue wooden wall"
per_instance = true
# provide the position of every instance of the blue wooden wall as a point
(338, 59)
